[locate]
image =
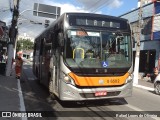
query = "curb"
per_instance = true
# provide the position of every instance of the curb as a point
(143, 87)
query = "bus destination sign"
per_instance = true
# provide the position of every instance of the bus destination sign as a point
(91, 21)
(98, 23)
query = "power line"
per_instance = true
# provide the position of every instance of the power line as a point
(102, 5)
(96, 5)
(92, 6)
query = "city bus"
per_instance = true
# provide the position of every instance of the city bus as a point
(85, 56)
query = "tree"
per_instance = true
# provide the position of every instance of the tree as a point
(24, 44)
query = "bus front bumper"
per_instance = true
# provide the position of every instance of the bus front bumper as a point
(69, 92)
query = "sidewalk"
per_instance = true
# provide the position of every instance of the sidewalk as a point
(9, 100)
(10, 92)
(145, 83)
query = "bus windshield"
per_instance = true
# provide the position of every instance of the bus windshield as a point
(92, 49)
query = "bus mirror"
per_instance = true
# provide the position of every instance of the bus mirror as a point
(61, 39)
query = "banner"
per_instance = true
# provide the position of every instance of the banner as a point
(119, 114)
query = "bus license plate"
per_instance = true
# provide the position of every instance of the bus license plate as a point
(101, 93)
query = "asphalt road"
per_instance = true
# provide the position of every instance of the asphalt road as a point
(143, 105)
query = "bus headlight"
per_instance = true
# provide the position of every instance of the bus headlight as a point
(67, 79)
(129, 79)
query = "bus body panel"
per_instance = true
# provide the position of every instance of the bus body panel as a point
(99, 81)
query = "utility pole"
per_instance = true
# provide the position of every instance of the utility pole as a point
(137, 56)
(12, 35)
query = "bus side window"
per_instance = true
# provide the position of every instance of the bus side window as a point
(41, 46)
(69, 48)
(34, 48)
(61, 39)
(54, 42)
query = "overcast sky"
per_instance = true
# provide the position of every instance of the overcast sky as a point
(109, 7)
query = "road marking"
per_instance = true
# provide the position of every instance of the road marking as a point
(22, 106)
(138, 109)
(144, 87)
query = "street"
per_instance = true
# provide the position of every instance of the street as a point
(87, 52)
(142, 105)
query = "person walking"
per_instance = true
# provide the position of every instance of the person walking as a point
(18, 65)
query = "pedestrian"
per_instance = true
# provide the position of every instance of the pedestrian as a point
(18, 65)
(154, 74)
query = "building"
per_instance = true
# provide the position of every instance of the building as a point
(3, 46)
(150, 33)
(28, 54)
(3, 38)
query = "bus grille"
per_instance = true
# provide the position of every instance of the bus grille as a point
(91, 95)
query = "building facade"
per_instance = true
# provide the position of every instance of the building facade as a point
(3, 38)
(150, 34)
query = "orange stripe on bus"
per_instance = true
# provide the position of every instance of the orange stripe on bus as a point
(99, 81)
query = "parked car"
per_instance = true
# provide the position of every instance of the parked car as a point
(157, 84)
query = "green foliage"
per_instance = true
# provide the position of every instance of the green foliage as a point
(24, 44)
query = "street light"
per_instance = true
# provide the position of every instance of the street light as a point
(25, 11)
